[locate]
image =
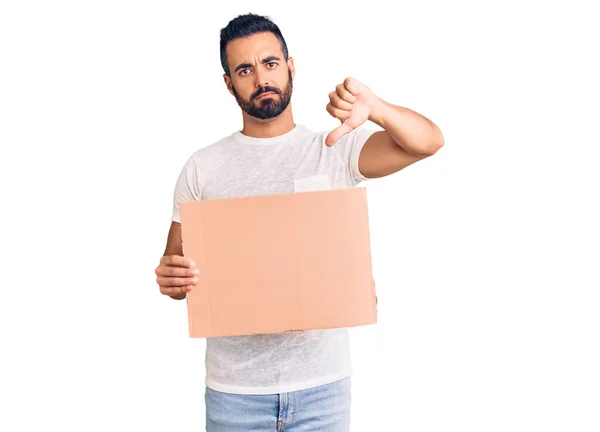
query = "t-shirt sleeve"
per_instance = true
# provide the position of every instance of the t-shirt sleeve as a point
(349, 147)
(187, 188)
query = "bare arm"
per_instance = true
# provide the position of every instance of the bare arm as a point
(408, 137)
(174, 241)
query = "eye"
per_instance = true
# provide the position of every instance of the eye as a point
(272, 63)
(242, 72)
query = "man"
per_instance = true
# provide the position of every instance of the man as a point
(298, 381)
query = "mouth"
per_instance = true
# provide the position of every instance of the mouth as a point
(265, 94)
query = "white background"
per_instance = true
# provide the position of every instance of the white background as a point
(485, 256)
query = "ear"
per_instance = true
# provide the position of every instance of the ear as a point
(290, 64)
(228, 83)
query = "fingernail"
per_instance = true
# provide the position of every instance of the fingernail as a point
(192, 263)
(195, 280)
(196, 271)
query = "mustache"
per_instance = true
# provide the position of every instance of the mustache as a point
(266, 90)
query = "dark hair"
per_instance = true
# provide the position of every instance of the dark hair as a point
(247, 25)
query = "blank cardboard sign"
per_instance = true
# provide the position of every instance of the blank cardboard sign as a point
(277, 263)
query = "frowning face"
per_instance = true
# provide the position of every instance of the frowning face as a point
(261, 80)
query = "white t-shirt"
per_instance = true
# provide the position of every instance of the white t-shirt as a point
(237, 166)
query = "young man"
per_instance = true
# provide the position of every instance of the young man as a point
(296, 381)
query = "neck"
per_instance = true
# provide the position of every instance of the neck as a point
(270, 128)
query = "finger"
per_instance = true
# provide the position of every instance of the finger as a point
(175, 281)
(176, 260)
(175, 291)
(171, 271)
(338, 102)
(345, 94)
(337, 133)
(339, 114)
(352, 85)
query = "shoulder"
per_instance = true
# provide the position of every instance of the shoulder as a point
(204, 159)
(212, 150)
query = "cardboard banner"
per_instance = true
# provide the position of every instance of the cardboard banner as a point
(278, 263)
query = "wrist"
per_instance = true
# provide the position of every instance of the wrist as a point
(378, 112)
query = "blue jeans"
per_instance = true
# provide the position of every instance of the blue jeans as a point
(324, 408)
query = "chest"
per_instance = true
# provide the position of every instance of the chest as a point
(266, 171)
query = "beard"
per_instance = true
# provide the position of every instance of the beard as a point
(269, 106)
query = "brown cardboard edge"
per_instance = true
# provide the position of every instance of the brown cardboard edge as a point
(182, 218)
(192, 332)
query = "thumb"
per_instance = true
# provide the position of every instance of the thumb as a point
(337, 133)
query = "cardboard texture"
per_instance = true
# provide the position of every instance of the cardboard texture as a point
(278, 263)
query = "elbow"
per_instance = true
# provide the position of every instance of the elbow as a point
(436, 143)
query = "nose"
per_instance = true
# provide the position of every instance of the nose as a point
(260, 78)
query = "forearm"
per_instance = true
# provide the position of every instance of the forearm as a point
(410, 130)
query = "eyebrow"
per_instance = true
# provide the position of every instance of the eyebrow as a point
(263, 61)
